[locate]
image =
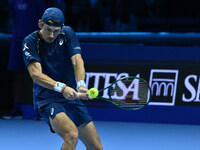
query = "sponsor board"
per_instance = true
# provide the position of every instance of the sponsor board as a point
(163, 83)
(170, 86)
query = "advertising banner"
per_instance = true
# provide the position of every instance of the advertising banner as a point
(175, 84)
(169, 86)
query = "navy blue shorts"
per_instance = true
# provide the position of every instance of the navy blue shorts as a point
(74, 109)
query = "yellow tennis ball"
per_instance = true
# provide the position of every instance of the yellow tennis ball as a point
(93, 92)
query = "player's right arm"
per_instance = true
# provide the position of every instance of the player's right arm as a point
(35, 71)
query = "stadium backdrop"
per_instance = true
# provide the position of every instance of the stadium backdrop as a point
(169, 62)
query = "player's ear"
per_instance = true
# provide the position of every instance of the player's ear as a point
(40, 24)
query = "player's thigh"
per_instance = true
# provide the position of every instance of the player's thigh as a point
(62, 124)
(89, 136)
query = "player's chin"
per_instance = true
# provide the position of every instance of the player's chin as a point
(50, 40)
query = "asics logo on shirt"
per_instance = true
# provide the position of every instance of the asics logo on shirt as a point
(52, 111)
(61, 42)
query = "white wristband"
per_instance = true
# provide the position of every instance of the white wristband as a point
(58, 87)
(80, 83)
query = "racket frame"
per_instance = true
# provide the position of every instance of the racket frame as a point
(110, 100)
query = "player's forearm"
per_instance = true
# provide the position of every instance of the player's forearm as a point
(35, 71)
(79, 73)
(43, 80)
(79, 69)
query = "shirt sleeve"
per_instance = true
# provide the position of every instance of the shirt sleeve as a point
(29, 51)
(72, 41)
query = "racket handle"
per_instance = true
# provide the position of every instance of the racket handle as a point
(79, 94)
(83, 96)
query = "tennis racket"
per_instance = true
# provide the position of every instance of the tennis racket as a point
(130, 93)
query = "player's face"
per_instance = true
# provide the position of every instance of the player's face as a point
(50, 33)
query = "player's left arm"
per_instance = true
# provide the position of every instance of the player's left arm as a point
(79, 70)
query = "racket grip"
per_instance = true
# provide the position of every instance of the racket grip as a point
(83, 96)
(79, 94)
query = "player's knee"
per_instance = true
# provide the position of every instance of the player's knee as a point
(72, 136)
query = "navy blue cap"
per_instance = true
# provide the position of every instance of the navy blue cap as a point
(55, 14)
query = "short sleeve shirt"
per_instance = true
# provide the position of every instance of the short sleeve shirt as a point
(55, 59)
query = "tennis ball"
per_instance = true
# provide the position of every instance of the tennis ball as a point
(93, 92)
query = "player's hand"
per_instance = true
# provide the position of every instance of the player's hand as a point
(83, 93)
(70, 94)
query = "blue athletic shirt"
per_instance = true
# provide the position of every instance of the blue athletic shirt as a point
(55, 59)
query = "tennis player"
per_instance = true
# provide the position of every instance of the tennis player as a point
(53, 58)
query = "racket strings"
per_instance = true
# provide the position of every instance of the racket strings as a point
(140, 89)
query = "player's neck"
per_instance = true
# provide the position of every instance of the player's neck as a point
(40, 34)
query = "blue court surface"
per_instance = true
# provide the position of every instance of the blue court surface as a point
(35, 135)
